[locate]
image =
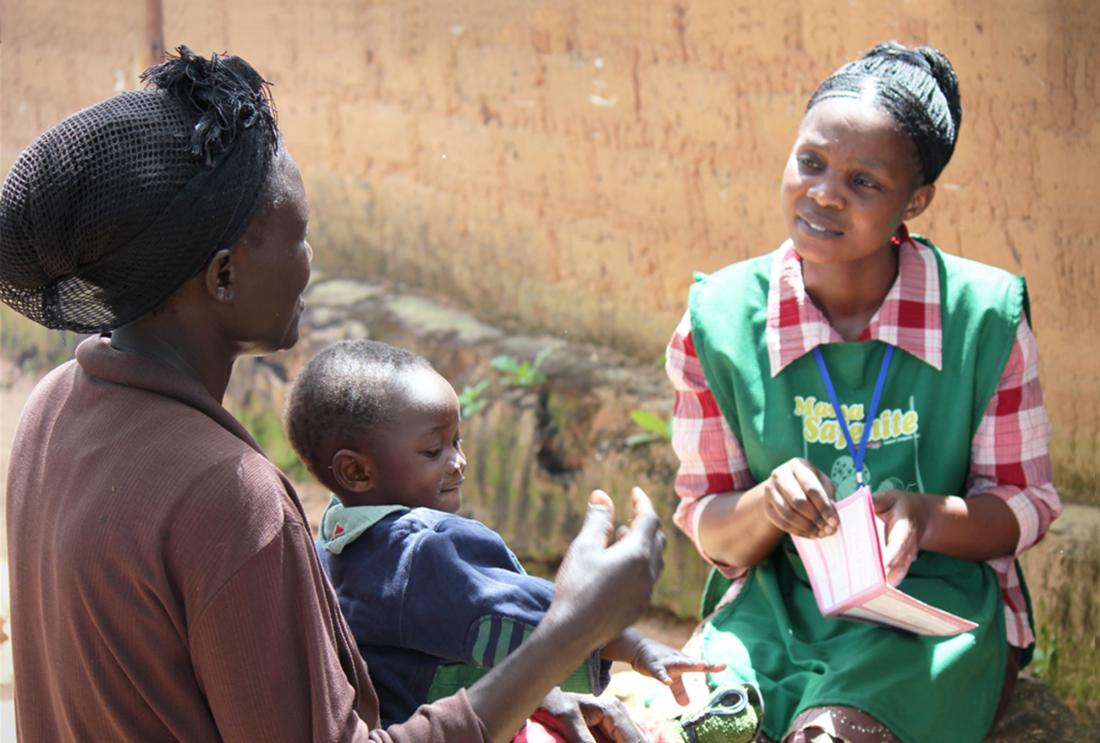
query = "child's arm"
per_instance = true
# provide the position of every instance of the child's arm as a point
(624, 647)
(657, 660)
(621, 575)
(465, 599)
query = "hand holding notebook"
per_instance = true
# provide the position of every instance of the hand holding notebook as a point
(849, 579)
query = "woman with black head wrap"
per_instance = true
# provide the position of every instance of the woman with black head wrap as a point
(859, 358)
(163, 576)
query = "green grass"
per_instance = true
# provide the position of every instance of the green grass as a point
(519, 373)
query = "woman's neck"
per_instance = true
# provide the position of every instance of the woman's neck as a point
(168, 340)
(849, 294)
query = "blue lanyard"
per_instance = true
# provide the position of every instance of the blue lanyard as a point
(857, 456)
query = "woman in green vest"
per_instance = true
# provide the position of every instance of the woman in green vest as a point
(858, 356)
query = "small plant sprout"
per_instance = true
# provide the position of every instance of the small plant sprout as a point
(521, 373)
(470, 400)
(656, 427)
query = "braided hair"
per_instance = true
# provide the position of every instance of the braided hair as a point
(916, 87)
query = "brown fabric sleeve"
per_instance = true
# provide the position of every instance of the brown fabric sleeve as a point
(450, 719)
(266, 656)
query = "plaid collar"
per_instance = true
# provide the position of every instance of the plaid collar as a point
(909, 317)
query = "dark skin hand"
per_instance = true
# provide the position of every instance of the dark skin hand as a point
(657, 660)
(600, 589)
(798, 499)
(579, 714)
(980, 527)
(740, 529)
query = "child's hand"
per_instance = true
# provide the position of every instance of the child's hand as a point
(668, 665)
(905, 525)
(798, 498)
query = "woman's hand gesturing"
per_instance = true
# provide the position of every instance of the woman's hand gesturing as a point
(798, 499)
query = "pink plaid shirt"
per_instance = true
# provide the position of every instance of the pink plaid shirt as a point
(1009, 456)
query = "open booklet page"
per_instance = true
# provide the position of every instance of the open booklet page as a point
(848, 578)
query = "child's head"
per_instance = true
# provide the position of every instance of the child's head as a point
(875, 136)
(378, 425)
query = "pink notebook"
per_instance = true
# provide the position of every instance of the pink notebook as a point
(849, 579)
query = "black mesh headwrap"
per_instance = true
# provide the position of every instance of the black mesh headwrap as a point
(916, 87)
(110, 211)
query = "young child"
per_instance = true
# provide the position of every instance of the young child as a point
(777, 365)
(433, 599)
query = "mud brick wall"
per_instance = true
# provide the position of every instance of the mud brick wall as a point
(565, 165)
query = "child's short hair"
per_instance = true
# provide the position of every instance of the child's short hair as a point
(341, 394)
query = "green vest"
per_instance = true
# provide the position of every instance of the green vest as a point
(773, 633)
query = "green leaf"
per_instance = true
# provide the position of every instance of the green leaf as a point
(470, 400)
(521, 373)
(506, 364)
(638, 439)
(470, 409)
(471, 392)
(652, 422)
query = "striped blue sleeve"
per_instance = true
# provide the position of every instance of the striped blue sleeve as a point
(467, 599)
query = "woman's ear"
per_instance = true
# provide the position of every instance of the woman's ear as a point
(920, 200)
(353, 471)
(220, 276)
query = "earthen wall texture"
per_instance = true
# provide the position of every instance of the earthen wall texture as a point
(566, 165)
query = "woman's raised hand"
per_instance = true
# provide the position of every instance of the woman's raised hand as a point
(798, 499)
(603, 585)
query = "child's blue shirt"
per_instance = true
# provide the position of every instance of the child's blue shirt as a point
(433, 599)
